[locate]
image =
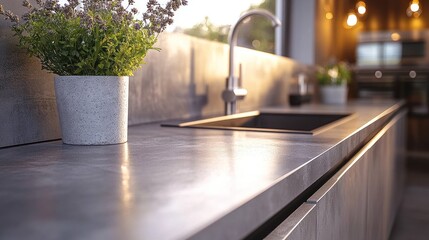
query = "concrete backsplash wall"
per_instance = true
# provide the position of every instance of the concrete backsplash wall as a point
(27, 100)
(185, 79)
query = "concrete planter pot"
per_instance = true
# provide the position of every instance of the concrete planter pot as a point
(334, 94)
(93, 110)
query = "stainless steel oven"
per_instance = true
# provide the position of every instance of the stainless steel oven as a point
(411, 84)
(396, 65)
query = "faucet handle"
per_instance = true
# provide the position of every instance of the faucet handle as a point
(234, 91)
(232, 95)
(240, 93)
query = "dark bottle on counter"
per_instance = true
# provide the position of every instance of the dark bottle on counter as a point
(298, 93)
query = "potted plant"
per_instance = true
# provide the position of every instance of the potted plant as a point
(333, 80)
(93, 47)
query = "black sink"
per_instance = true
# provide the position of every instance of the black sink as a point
(305, 123)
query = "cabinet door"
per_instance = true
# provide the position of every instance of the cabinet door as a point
(386, 178)
(341, 202)
(360, 201)
(378, 169)
(301, 224)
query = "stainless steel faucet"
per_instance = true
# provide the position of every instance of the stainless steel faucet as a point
(233, 91)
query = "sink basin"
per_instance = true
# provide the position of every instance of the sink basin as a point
(304, 123)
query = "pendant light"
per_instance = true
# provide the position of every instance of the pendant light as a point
(414, 9)
(361, 8)
(354, 15)
(327, 8)
(351, 19)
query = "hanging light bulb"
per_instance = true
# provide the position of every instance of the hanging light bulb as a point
(351, 19)
(327, 7)
(361, 7)
(329, 15)
(414, 9)
(414, 6)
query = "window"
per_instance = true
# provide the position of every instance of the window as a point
(211, 20)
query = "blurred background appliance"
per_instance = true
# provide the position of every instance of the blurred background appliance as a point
(393, 64)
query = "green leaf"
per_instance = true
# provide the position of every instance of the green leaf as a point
(65, 47)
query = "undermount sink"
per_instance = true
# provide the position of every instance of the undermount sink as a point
(303, 123)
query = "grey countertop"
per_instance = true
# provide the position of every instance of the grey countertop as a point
(172, 183)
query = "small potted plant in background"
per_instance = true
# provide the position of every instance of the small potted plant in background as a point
(333, 80)
(93, 47)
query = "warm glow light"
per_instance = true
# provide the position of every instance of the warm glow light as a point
(329, 16)
(414, 7)
(351, 19)
(361, 7)
(361, 10)
(395, 36)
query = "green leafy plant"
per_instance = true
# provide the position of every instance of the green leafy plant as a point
(99, 37)
(334, 74)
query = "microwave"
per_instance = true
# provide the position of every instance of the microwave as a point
(393, 49)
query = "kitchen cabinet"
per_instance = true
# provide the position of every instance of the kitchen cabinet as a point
(341, 202)
(301, 224)
(386, 175)
(361, 199)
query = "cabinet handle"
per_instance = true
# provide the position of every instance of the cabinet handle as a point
(301, 224)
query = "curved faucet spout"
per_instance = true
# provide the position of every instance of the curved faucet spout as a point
(232, 38)
(230, 106)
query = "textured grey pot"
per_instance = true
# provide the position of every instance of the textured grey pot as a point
(93, 110)
(334, 94)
